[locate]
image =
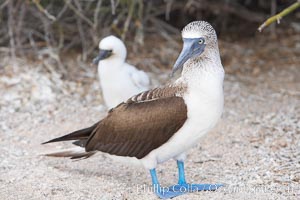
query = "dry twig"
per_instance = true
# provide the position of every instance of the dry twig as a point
(43, 10)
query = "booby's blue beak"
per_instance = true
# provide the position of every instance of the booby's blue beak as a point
(192, 47)
(102, 55)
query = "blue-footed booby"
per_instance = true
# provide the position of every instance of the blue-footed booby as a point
(118, 79)
(164, 123)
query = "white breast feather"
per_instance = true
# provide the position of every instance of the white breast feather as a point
(204, 100)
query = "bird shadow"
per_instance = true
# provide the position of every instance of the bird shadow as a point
(108, 169)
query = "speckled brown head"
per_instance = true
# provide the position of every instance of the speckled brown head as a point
(198, 38)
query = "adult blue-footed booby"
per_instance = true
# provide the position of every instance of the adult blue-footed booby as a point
(164, 123)
(118, 79)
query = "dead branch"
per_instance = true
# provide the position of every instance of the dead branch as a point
(78, 13)
(4, 4)
(11, 24)
(128, 19)
(61, 26)
(43, 10)
(96, 14)
(232, 8)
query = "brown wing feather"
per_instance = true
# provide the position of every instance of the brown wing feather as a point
(137, 127)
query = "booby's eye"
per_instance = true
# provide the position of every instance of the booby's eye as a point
(201, 41)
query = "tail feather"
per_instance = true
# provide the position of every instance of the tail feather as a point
(82, 134)
(74, 153)
(81, 143)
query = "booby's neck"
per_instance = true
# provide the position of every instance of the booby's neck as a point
(209, 62)
(112, 63)
(205, 68)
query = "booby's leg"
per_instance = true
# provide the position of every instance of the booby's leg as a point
(184, 187)
(162, 192)
(181, 175)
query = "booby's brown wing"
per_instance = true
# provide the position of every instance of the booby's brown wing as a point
(140, 125)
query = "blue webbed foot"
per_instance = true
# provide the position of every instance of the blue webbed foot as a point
(162, 192)
(165, 193)
(186, 187)
(181, 188)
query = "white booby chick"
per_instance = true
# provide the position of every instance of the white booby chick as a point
(164, 123)
(118, 79)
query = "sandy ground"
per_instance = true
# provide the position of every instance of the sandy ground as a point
(254, 150)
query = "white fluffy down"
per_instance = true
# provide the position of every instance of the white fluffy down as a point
(119, 80)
